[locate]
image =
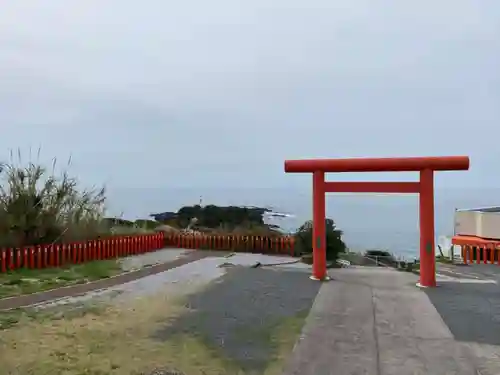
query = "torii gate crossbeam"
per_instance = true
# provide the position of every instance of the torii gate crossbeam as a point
(424, 187)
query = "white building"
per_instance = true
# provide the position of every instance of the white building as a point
(478, 222)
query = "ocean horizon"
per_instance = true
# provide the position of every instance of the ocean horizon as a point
(369, 221)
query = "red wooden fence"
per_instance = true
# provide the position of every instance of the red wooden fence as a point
(484, 254)
(478, 250)
(280, 245)
(57, 255)
(44, 256)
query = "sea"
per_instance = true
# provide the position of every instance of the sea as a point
(368, 221)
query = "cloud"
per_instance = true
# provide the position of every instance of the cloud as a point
(219, 93)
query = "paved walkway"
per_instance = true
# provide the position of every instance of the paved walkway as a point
(375, 321)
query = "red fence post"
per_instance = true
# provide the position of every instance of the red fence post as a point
(3, 260)
(18, 252)
(115, 246)
(50, 255)
(94, 250)
(128, 248)
(63, 249)
(84, 252)
(122, 247)
(104, 248)
(58, 255)
(110, 248)
(10, 259)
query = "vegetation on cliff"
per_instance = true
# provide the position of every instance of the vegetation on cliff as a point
(218, 218)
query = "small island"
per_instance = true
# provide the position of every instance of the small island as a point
(219, 219)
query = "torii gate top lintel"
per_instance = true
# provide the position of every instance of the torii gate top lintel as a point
(436, 163)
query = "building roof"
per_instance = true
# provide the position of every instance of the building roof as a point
(493, 209)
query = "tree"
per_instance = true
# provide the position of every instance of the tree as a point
(334, 242)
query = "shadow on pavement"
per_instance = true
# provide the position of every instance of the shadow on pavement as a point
(471, 311)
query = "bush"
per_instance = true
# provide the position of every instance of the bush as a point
(334, 243)
(37, 207)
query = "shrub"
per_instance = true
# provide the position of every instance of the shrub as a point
(334, 243)
(37, 207)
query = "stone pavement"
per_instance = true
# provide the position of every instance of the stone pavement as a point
(376, 322)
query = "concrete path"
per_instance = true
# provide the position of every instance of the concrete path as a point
(375, 321)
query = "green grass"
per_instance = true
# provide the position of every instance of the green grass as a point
(27, 281)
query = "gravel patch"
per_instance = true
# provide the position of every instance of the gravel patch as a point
(176, 281)
(136, 262)
(237, 314)
(179, 280)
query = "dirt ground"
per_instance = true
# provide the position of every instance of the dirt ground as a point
(122, 338)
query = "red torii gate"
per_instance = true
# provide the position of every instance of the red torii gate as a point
(425, 188)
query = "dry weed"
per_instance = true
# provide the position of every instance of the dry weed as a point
(118, 339)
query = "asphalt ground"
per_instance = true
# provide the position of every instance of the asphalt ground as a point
(470, 271)
(470, 305)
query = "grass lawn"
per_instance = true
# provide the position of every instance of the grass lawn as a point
(119, 339)
(26, 281)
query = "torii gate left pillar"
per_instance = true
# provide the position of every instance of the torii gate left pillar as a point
(425, 188)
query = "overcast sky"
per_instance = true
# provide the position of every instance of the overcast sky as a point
(164, 93)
